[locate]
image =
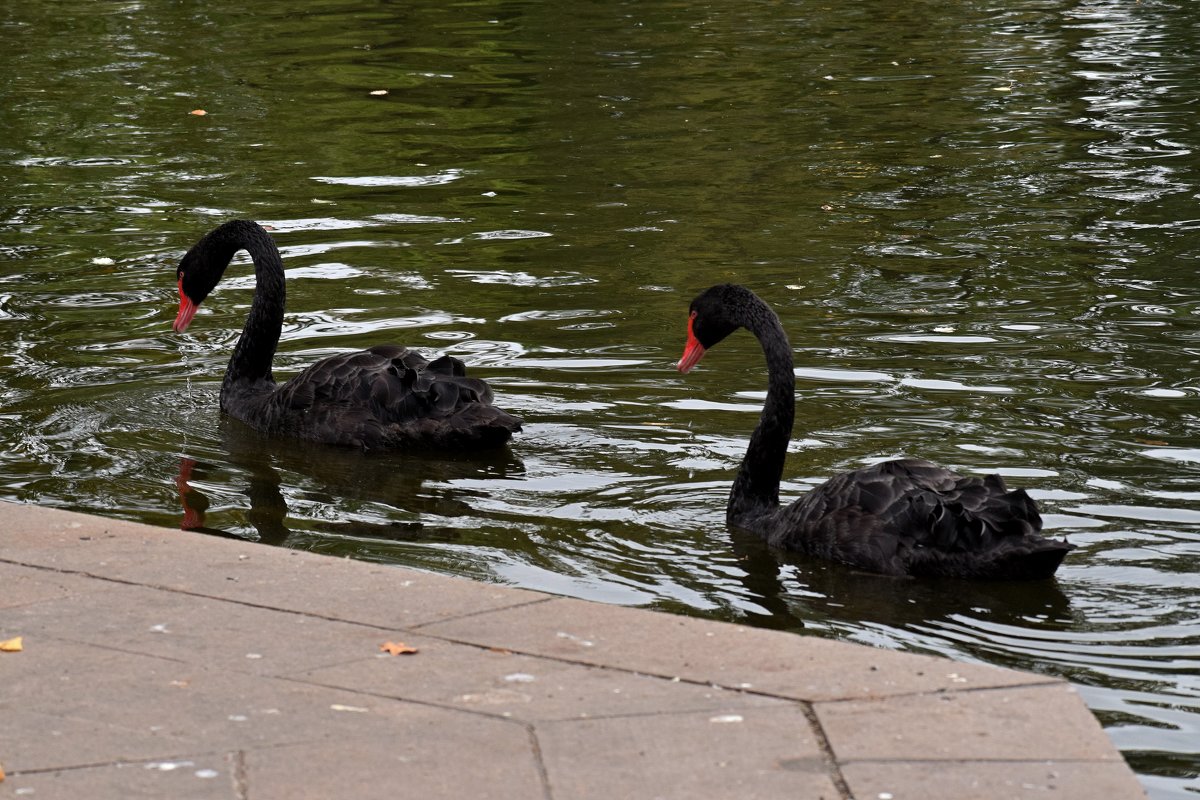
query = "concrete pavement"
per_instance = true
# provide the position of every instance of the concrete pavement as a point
(163, 664)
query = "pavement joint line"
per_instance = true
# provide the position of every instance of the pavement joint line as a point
(474, 712)
(237, 769)
(292, 611)
(535, 747)
(119, 762)
(832, 765)
(241, 779)
(1046, 681)
(470, 614)
(498, 715)
(1040, 684)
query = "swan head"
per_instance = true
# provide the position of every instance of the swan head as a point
(193, 286)
(713, 315)
(202, 266)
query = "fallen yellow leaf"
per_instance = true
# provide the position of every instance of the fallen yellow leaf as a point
(1, 774)
(11, 645)
(397, 648)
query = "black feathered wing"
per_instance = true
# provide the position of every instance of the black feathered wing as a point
(911, 517)
(387, 396)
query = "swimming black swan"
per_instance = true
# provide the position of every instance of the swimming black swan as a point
(905, 517)
(384, 397)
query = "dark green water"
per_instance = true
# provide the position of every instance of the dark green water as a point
(977, 221)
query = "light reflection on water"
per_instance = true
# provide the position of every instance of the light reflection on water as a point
(980, 235)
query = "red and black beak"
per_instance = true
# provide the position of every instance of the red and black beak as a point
(187, 310)
(693, 351)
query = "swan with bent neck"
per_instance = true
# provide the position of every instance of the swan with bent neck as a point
(902, 517)
(385, 397)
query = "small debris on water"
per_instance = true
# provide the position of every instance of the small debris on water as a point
(379, 92)
(103, 261)
(199, 112)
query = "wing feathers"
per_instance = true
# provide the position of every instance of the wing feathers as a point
(387, 396)
(913, 517)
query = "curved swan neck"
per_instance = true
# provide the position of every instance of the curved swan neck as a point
(255, 350)
(756, 487)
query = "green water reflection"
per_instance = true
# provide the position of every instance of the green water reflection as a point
(976, 221)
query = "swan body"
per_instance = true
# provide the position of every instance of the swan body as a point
(384, 397)
(904, 517)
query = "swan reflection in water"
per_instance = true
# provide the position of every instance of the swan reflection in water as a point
(794, 589)
(331, 476)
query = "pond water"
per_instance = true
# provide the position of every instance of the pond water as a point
(977, 221)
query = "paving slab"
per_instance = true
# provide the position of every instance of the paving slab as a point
(500, 682)
(989, 780)
(25, 586)
(772, 662)
(757, 753)
(247, 572)
(159, 663)
(218, 634)
(968, 726)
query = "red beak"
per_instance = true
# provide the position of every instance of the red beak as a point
(187, 310)
(693, 352)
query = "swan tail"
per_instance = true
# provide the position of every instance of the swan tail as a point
(1033, 557)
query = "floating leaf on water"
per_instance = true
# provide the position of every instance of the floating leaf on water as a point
(199, 112)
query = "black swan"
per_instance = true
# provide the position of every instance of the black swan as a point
(384, 397)
(905, 517)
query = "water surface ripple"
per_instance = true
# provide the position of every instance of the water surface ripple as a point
(977, 222)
